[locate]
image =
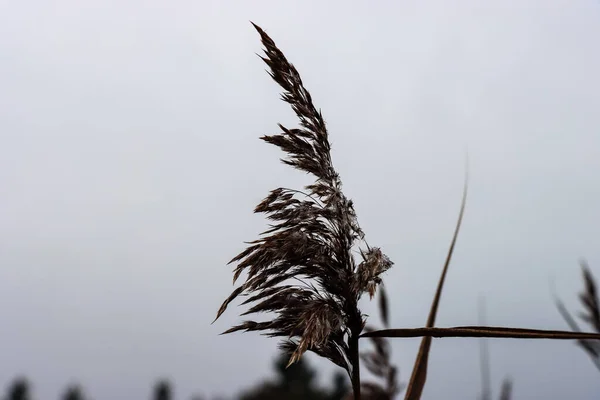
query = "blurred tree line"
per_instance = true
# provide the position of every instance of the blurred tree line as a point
(297, 382)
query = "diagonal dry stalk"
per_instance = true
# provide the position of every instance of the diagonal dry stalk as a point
(302, 269)
(590, 315)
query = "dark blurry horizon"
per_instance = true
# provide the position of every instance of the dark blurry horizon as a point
(296, 382)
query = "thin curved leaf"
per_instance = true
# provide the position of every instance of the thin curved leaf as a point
(419, 373)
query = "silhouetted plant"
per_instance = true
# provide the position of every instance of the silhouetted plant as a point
(378, 361)
(506, 389)
(19, 389)
(303, 270)
(590, 313)
(295, 382)
(73, 392)
(163, 390)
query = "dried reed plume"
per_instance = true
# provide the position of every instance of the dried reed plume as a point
(590, 314)
(303, 270)
(309, 244)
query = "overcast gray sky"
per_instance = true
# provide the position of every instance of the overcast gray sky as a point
(130, 164)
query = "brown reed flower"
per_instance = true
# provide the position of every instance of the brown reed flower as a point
(302, 269)
(590, 313)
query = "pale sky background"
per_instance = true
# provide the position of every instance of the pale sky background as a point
(130, 164)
